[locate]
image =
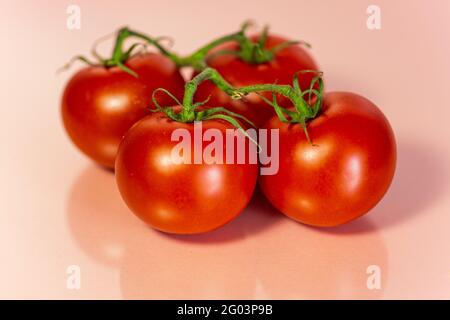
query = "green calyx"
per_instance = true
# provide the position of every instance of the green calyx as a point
(249, 51)
(256, 52)
(191, 111)
(118, 57)
(306, 104)
(194, 112)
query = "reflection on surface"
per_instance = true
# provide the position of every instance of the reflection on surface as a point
(165, 268)
(219, 264)
(286, 261)
(98, 219)
(298, 262)
(261, 254)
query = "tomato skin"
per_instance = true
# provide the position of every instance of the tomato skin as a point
(179, 198)
(99, 105)
(344, 174)
(239, 73)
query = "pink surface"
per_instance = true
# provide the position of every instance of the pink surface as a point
(58, 209)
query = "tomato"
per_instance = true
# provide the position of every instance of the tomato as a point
(239, 73)
(343, 173)
(100, 104)
(180, 198)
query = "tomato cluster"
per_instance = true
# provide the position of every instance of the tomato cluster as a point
(336, 155)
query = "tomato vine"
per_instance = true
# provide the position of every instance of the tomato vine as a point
(249, 51)
(306, 104)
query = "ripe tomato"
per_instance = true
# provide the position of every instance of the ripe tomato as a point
(99, 104)
(344, 173)
(175, 197)
(239, 73)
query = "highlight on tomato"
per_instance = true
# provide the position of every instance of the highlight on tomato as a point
(104, 99)
(174, 191)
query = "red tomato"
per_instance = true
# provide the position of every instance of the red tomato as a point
(344, 173)
(99, 105)
(238, 73)
(179, 197)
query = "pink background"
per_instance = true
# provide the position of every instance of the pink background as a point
(58, 209)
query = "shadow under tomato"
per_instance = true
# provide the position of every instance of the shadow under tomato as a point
(420, 180)
(258, 216)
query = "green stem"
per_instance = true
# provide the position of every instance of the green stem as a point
(119, 57)
(303, 110)
(175, 58)
(197, 59)
(250, 52)
(117, 54)
(293, 94)
(284, 90)
(188, 112)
